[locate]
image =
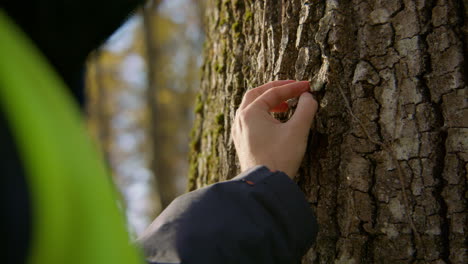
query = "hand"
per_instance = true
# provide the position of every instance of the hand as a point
(260, 139)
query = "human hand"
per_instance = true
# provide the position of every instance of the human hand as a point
(260, 139)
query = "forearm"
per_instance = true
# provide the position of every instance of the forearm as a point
(258, 217)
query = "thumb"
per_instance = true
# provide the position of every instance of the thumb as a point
(305, 112)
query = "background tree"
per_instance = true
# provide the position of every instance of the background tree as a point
(140, 94)
(172, 50)
(386, 162)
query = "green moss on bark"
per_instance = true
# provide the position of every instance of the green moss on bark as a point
(248, 15)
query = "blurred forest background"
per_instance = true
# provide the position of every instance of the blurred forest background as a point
(141, 86)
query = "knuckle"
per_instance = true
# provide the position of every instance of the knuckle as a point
(270, 98)
(274, 91)
(250, 94)
(233, 132)
(245, 115)
(277, 90)
(276, 83)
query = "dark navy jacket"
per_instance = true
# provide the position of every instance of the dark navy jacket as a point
(258, 217)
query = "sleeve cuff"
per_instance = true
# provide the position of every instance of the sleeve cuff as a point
(288, 203)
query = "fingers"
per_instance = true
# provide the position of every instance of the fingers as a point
(275, 96)
(251, 95)
(305, 112)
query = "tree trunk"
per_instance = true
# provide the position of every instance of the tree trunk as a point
(164, 184)
(97, 110)
(386, 162)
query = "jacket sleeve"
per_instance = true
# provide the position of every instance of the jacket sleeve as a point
(258, 217)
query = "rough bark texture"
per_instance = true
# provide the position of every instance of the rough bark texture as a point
(386, 163)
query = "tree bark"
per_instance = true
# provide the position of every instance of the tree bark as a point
(386, 162)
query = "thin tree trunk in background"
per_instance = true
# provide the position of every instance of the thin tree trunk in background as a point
(386, 162)
(164, 181)
(97, 102)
